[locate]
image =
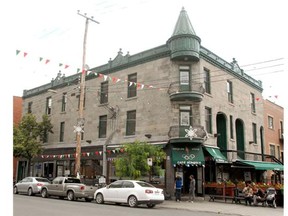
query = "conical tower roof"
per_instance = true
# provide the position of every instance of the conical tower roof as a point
(184, 44)
(183, 25)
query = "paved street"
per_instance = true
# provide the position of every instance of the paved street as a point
(221, 207)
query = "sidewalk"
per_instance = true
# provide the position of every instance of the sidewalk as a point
(220, 207)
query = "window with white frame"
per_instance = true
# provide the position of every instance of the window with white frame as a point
(270, 122)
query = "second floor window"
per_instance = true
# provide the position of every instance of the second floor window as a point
(252, 103)
(104, 93)
(102, 126)
(208, 119)
(48, 105)
(132, 85)
(207, 81)
(62, 128)
(270, 122)
(131, 123)
(64, 102)
(230, 91)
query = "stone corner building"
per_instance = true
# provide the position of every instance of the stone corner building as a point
(205, 112)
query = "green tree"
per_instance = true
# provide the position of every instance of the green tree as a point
(27, 137)
(133, 163)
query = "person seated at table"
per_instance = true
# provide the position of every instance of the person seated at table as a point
(248, 194)
(259, 196)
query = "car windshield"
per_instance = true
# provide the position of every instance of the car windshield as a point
(144, 184)
(42, 180)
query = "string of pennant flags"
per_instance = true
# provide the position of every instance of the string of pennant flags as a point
(113, 79)
(84, 154)
(105, 77)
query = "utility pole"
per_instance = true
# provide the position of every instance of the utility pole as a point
(81, 120)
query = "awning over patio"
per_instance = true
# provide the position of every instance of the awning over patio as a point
(188, 155)
(216, 154)
(259, 165)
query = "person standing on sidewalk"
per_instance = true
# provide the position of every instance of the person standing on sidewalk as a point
(178, 187)
(192, 188)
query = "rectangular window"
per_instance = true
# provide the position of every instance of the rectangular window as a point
(185, 113)
(102, 126)
(272, 149)
(104, 93)
(270, 122)
(254, 131)
(230, 91)
(252, 103)
(48, 105)
(64, 102)
(184, 78)
(208, 119)
(231, 127)
(131, 123)
(207, 81)
(62, 128)
(30, 107)
(132, 85)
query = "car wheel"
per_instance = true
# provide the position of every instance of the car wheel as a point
(15, 190)
(70, 195)
(132, 201)
(44, 193)
(150, 205)
(99, 198)
(30, 192)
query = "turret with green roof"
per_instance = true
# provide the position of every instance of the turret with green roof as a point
(184, 43)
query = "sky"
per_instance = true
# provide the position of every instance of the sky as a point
(252, 32)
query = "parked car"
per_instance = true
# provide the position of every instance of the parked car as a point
(69, 187)
(131, 192)
(30, 185)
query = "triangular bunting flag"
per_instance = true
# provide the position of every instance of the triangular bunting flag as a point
(17, 52)
(66, 66)
(60, 64)
(25, 54)
(40, 59)
(78, 69)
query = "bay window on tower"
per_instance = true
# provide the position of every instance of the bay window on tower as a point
(184, 75)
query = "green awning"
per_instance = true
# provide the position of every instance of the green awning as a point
(216, 154)
(261, 165)
(188, 155)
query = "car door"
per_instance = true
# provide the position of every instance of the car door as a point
(111, 192)
(125, 191)
(54, 187)
(21, 185)
(27, 184)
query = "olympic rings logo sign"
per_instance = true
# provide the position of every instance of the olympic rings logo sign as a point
(188, 157)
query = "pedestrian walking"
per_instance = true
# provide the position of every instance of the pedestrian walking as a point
(178, 188)
(192, 188)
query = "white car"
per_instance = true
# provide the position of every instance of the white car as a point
(131, 192)
(30, 185)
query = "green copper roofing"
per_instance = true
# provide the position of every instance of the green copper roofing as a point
(184, 44)
(183, 25)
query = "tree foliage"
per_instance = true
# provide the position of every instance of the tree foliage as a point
(133, 163)
(28, 135)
